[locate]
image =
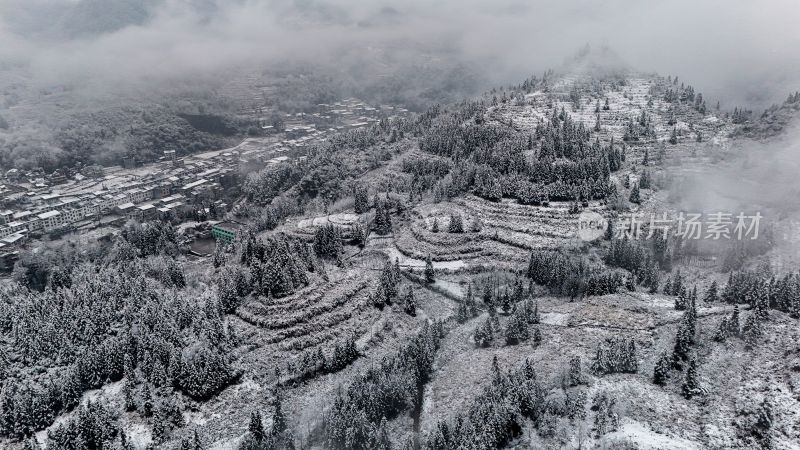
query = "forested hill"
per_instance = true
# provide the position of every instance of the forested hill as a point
(107, 135)
(410, 282)
(552, 137)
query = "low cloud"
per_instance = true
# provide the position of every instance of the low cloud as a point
(740, 52)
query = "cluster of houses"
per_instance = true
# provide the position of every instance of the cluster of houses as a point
(172, 190)
(302, 129)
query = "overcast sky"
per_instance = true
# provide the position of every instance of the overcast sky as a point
(740, 50)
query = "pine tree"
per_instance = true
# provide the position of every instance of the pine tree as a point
(667, 290)
(606, 419)
(609, 233)
(497, 374)
(691, 386)
(456, 224)
(383, 218)
(733, 324)
(683, 341)
(219, 255)
(575, 373)
(361, 199)
(359, 235)
(147, 401)
(691, 320)
(488, 295)
(673, 137)
(484, 334)
(328, 241)
(129, 395)
(752, 331)
(279, 424)
(471, 306)
(192, 443)
(723, 331)
(462, 313)
(435, 226)
(615, 355)
(761, 310)
(712, 295)
(430, 274)
(159, 428)
(256, 427)
(653, 279)
(681, 303)
(645, 181)
(517, 328)
(661, 371)
(410, 304)
(762, 426)
(630, 283)
(635, 196)
(505, 302)
(387, 220)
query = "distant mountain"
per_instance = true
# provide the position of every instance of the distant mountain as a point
(69, 20)
(55, 19)
(93, 17)
(773, 120)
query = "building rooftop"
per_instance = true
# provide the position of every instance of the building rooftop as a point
(171, 198)
(227, 226)
(208, 172)
(194, 184)
(48, 214)
(13, 238)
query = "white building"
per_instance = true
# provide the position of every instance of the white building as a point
(137, 195)
(51, 220)
(5, 231)
(72, 215)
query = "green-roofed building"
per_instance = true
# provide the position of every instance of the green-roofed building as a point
(225, 231)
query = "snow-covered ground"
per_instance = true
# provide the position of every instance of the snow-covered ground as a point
(416, 264)
(340, 219)
(640, 436)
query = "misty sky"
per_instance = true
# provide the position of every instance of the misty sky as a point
(741, 51)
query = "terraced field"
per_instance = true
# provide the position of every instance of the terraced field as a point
(312, 316)
(509, 231)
